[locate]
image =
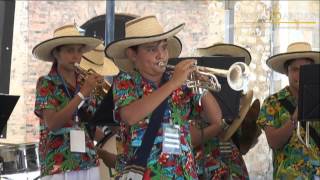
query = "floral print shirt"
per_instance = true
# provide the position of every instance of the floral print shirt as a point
(182, 106)
(54, 146)
(293, 160)
(220, 165)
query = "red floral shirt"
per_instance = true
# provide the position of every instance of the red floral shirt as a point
(54, 146)
(182, 106)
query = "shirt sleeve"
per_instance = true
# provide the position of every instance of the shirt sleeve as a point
(268, 113)
(44, 96)
(123, 93)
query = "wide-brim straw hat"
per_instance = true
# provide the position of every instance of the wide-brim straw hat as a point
(65, 35)
(223, 49)
(236, 123)
(249, 129)
(295, 50)
(96, 60)
(140, 31)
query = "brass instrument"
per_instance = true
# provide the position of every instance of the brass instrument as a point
(103, 87)
(205, 77)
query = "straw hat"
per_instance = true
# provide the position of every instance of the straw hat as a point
(64, 35)
(140, 31)
(96, 60)
(225, 50)
(244, 108)
(249, 129)
(295, 50)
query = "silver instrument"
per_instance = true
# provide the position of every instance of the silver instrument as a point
(205, 77)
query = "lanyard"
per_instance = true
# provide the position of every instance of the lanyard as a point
(65, 88)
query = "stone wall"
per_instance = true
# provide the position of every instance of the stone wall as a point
(36, 20)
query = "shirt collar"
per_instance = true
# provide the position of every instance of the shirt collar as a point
(54, 76)
(140, 78)
(286, 94)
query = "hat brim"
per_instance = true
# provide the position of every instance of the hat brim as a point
(107, 69)
(276, 62)
(244, 108)
(229, 49)
(43, 50)
(116, 50)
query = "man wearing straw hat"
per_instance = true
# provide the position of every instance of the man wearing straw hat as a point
(291, 159)
(65, 149)
(153, 105)
(223, 159)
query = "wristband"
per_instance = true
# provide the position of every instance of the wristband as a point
(81, 96)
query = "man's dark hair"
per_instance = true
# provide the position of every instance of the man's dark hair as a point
(134, 48)
(57, 49)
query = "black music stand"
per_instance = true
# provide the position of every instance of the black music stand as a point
(7, 104)
(228, 99)
(309, 93)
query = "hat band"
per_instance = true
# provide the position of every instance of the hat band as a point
(92, 61)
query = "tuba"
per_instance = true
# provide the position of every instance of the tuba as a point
(205, 77)
(103, 86)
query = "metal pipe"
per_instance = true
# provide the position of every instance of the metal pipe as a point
(229, 21)
(109, 22)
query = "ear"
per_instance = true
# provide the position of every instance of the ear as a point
(131, 54)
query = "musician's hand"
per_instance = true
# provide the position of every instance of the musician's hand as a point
(91, 82)
(182, 70)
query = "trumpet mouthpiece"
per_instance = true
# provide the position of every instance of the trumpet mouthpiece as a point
(162, 64)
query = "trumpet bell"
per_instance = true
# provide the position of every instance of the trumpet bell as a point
(103, 87)
(238, 75)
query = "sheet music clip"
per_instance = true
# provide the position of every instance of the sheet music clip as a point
(7, 104)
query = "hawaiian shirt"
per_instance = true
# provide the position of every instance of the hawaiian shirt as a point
(182, 106)
(294, 160)
(54, 146)
(220, 161)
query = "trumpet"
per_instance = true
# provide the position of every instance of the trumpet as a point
(237, 76)
(103, 86)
